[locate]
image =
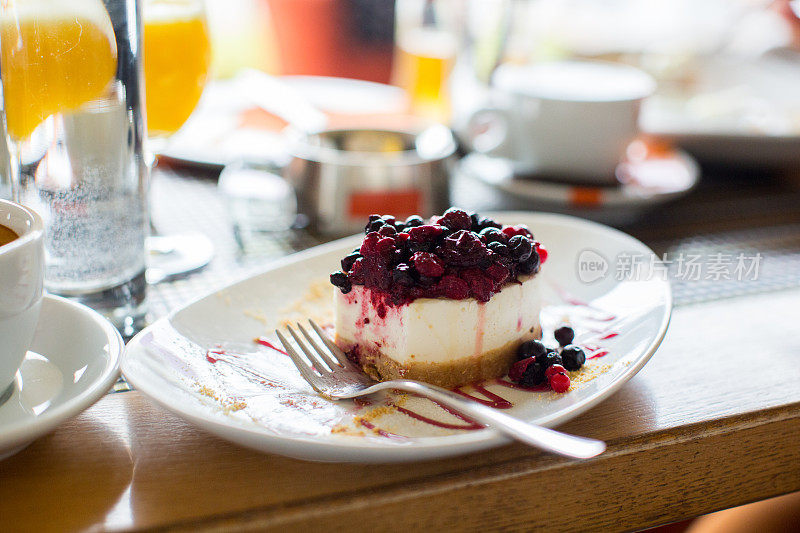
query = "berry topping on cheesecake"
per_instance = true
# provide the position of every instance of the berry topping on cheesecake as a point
(454, 256)
(447, 300)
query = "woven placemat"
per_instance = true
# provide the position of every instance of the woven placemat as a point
(182, 204)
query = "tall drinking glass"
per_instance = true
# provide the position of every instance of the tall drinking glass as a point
(427, 34)
(177, 57)
(71, 75)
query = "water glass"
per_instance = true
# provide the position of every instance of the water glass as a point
(72, 89)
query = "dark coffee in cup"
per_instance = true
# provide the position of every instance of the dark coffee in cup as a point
(6, 235)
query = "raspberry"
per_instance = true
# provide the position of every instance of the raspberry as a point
(498, 273)
(368, 246)
(520, 229)
(456, 219)
(463, 248)
(385, 246)
(554, 369)
(542, 251)
(425, 233)
(559, 382)
(427, 264)
(454, 288)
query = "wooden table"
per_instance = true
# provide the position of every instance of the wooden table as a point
(711, 422)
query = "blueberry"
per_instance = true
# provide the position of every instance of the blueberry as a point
(531, 265)
(498, 248)
(549, 359)
(573, 357)
(486, 222)
(531, 349)
(564, 335)
(475, 219)
(520, 247)
(533, 375)
(348, 260)
(339, 279)
(402, 275)
(494, 235)
(413, 221)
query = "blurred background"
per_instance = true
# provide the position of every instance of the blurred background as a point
(726, 72)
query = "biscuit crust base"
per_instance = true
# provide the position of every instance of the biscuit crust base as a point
(457, 372)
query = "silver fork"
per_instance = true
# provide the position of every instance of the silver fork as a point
(334, 376)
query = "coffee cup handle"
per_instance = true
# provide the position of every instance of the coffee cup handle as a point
(487, 131)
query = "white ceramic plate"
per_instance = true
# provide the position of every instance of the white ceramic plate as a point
(202, 362)
(73, 361)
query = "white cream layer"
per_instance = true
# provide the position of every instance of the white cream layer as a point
(438, 330)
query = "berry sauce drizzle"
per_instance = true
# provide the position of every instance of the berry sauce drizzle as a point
(264, 342)
(383, 433)
(471, 424)
(489, 398)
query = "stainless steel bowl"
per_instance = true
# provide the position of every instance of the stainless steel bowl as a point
(343, 175)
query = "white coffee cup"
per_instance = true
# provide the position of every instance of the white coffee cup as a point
(571, 119)
(21, 280)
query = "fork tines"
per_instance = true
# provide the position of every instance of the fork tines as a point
(320, 359)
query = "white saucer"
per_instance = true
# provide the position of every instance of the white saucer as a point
(650, 182)
(73, 361)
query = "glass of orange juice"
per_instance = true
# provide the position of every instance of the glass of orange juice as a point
(177, 56)
(74, 132)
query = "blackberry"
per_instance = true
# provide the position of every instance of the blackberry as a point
(348, 260)
(531, 349)
(564, 335)
(548, 359)
(533, 375)
(339, 279)
(573, 357)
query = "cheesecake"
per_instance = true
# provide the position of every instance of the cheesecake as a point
(446, 301)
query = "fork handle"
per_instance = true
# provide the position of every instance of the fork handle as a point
(538, 436)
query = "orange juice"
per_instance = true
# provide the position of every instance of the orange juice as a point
(177, 54)
(55, 57)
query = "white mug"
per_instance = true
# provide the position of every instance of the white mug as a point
(21, 280)
(571, 119)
